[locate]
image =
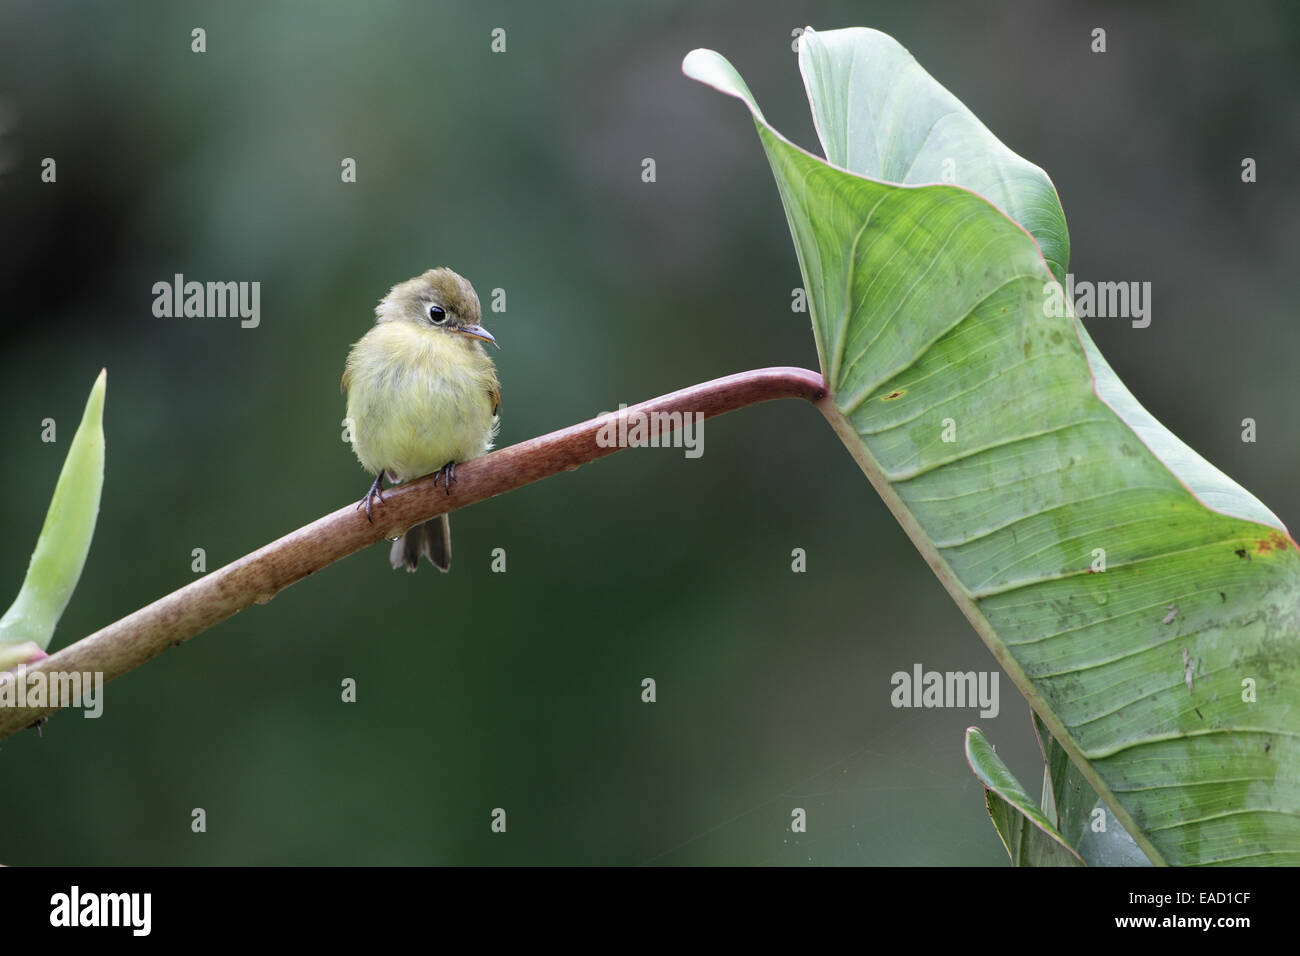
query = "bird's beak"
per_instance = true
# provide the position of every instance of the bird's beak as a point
(478, 332)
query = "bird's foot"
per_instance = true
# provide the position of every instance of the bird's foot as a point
(448, 475)
(375, 492)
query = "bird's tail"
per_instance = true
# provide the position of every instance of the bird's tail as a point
(433, 539)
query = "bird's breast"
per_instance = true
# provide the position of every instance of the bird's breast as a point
(418, 399)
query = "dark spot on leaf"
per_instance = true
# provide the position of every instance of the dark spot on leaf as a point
(1198, 713)
(896, 393)
(1241, 553)
(1274, 542)
(1056, 337)
(1028, 347)
(1223, 597)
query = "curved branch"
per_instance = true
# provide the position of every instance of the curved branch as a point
(257, 577)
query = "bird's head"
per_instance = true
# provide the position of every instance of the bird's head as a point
(438, 299)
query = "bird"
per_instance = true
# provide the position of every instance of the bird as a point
(422, 397)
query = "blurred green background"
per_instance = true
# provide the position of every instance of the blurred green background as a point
(522, 170)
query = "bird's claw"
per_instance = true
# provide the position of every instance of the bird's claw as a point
(375, 492)
(448, 474)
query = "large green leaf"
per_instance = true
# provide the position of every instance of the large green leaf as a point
(1018, 462)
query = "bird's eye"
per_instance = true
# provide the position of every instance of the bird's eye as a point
(437, 315)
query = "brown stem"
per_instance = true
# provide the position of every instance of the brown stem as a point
(256, 578)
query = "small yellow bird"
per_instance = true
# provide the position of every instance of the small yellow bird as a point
(423, 396)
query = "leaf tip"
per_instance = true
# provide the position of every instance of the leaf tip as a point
(94, 411)
(713, 69)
